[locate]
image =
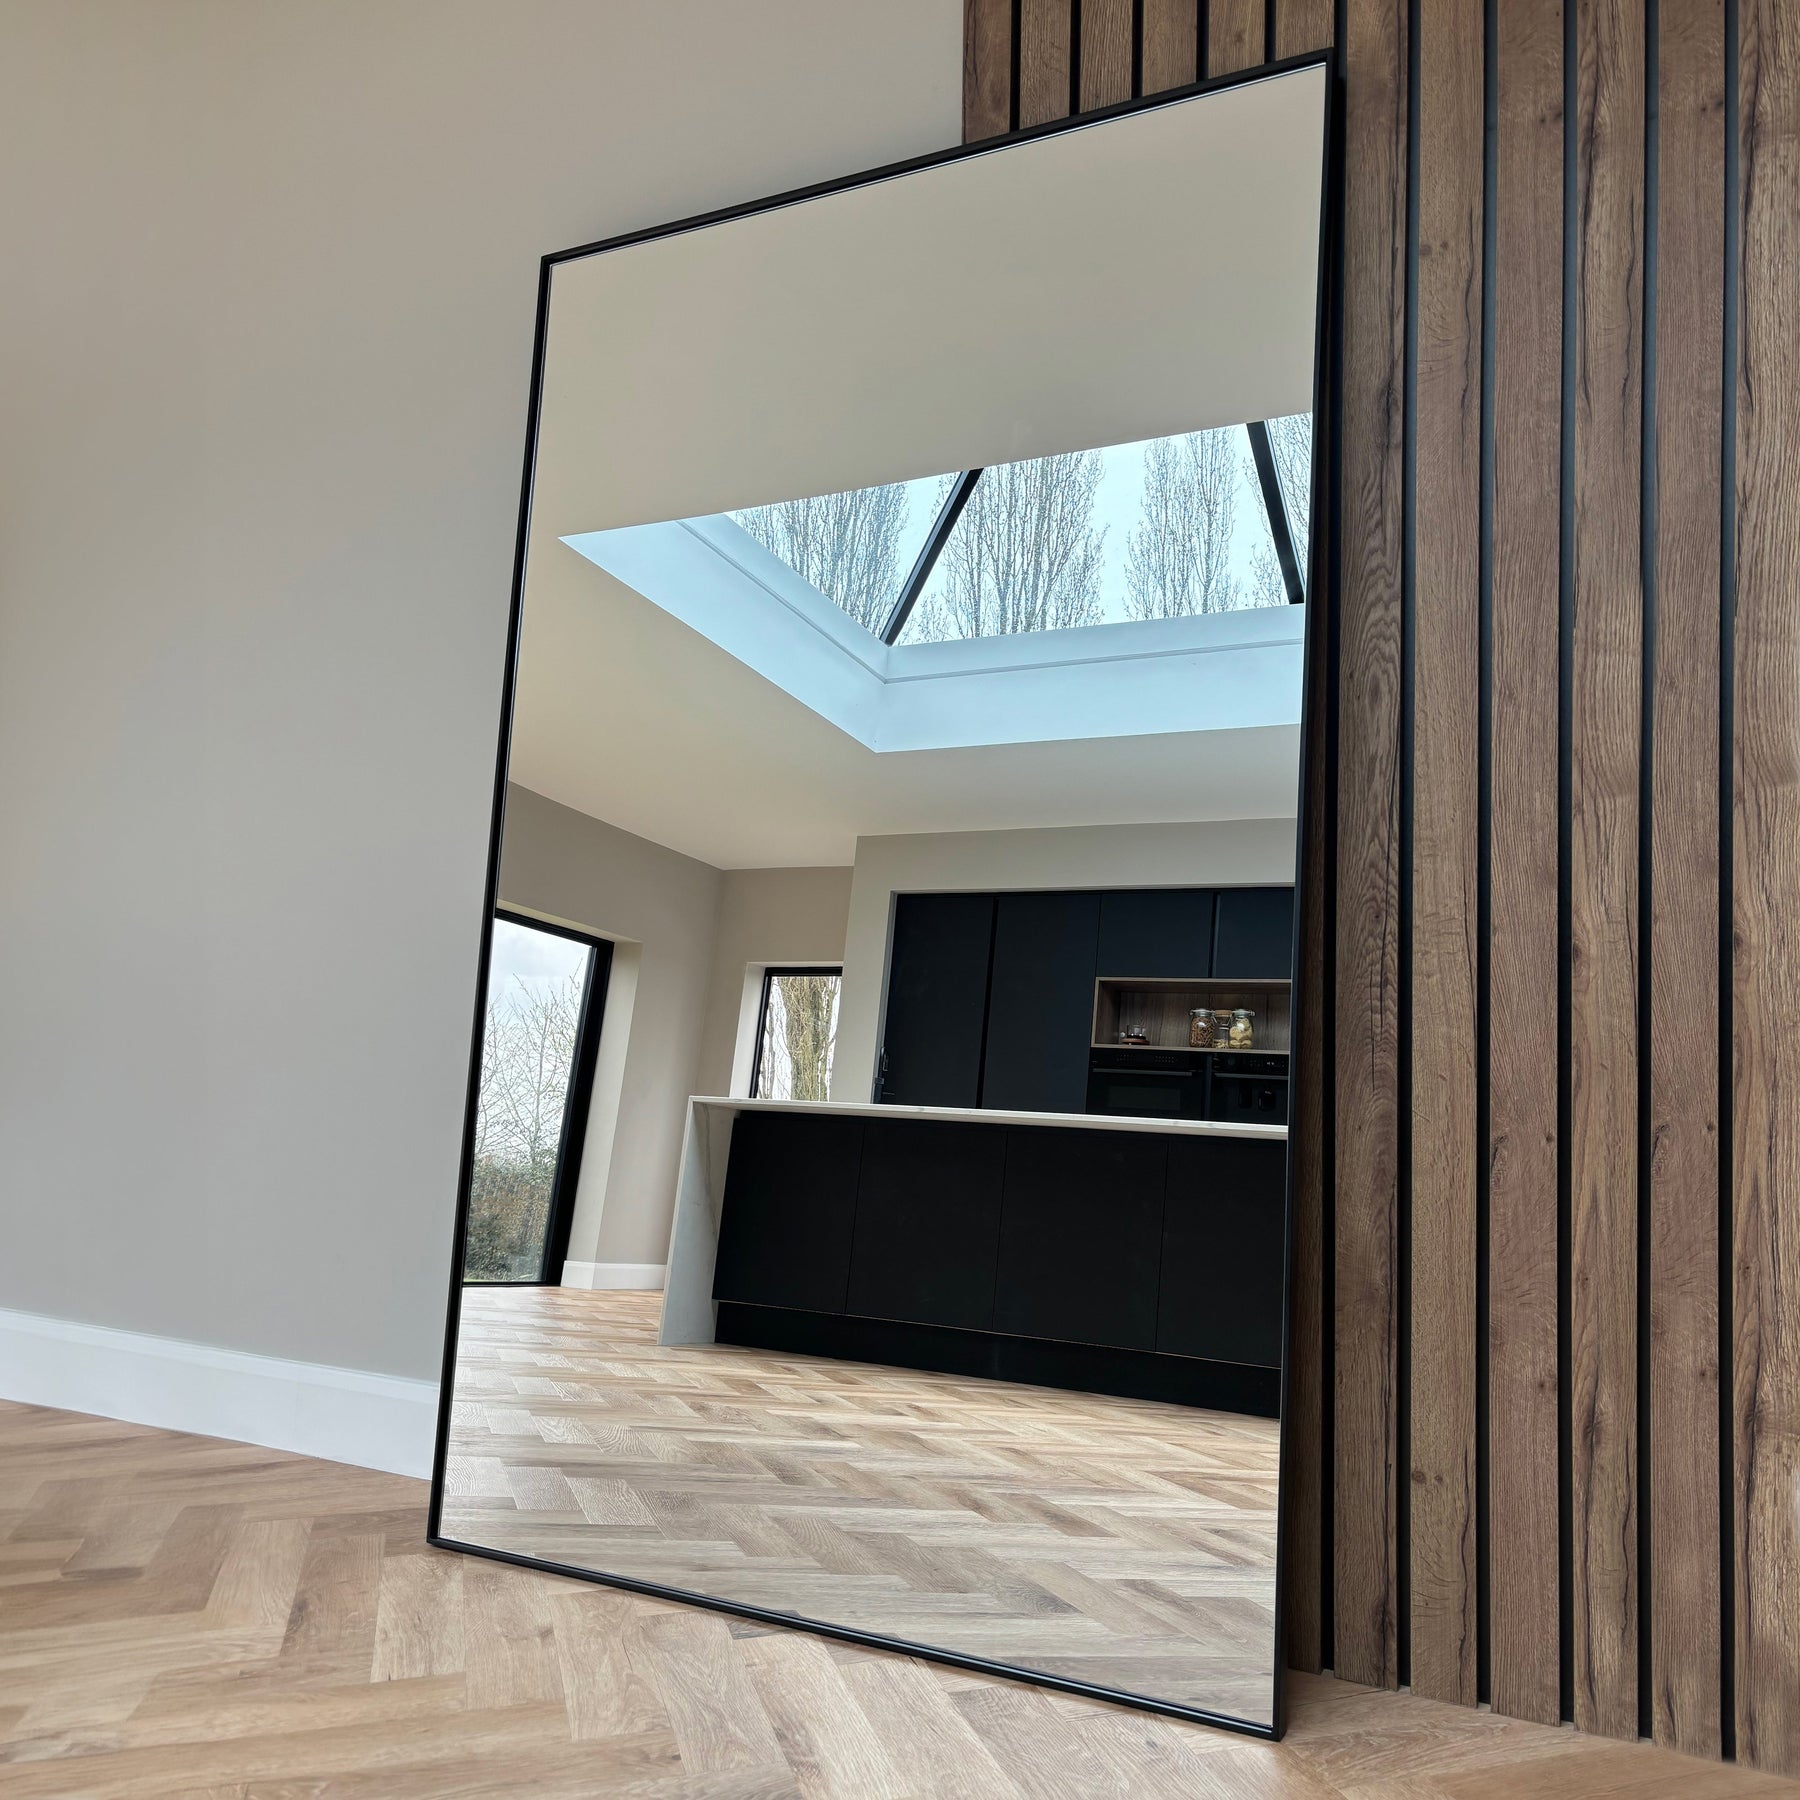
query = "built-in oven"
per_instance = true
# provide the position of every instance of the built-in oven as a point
(1249, 1090)
(1147, 1084)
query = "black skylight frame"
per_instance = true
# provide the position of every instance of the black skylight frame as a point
(1268, 481)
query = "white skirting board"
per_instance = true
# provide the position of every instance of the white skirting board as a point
(612, 1275)
(343, 1415)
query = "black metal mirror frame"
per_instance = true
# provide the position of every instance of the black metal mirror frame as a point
(1322, 539)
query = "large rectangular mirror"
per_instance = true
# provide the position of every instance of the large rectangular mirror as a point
(875, 1194)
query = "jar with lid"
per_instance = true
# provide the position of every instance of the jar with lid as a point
(1200, 1030)
(1221, 1031)
(1243, 1028)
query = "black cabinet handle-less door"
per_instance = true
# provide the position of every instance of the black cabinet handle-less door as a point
(1081, 1236)
(928, 1223)
(1253, 939)
(789, 1210)
(1157, 932)
(1223, 1228)
(1041, 1003)
(937, 1000)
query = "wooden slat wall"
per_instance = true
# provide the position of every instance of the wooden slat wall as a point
(1364, 1478)
(1605, 676)
(1683, 1044)
(1544, 1436)
(1524, 1534)
(1764, 1297)
(1446, 713)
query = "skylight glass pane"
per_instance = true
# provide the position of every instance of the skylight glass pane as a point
(856, 548)
(1154, 530)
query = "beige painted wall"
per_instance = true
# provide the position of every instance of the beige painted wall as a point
(688, 941)
(766, 916)
(1227, 852)
(266, 327)
(664, 908)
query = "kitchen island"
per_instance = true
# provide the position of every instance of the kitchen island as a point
(1141, 1257)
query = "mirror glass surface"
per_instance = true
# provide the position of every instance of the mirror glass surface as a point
(880, 1155)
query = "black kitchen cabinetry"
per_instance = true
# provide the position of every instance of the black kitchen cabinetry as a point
(1227, 1308)
(1040, 1003)
(990, 999)
(1253, 937)
(1120, 1262)
(789, 1210)
(1081, 1237)
(1156, 932)
(937, 1000)
(928, 1223)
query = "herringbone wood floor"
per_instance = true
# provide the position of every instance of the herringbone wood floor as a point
(1123, 1543)
(185, 1617)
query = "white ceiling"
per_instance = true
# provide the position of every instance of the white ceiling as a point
(631, 716)
(1152, 275)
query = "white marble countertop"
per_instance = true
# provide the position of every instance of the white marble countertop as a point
(987, 1116)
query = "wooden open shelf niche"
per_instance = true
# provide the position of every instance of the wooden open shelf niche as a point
(1162, 1008)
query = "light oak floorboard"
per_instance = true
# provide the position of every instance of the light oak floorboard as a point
(1123, 1543)
(196, 1652)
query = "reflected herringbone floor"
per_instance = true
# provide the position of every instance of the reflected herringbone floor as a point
(185, 1617)
(1123, 1543)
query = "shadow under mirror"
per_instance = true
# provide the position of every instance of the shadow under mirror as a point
(876, 1209)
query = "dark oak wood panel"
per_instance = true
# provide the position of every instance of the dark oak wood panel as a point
(1301, 25)
(1523, 989)
(1044, 33)
(1171, 44)
(1104, 77)
(1605, 697)
(1368, 874)
(987, 68)
(1234, 35)
(1682, 1407)
(1446, 803)
(1765, 1290)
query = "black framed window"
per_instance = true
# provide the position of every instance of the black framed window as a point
(546, 995)
(796, 1032)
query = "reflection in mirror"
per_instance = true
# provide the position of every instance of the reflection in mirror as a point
(878, 1193)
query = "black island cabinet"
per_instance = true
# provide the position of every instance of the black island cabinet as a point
(1143, 1264)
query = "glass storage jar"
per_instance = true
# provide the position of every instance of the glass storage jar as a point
(1243, 1028)
(1200, 1029)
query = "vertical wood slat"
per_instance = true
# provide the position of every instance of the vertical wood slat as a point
(1104, 75)
(1366, 1044)
(1234, 35)
(1171, 44)
(1765, 1287)
(987, 68)
(1300, 26)
(1446, 805)
(1606, 682)
(1044, 33)
(1524, 1537)
(1682, 1407)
